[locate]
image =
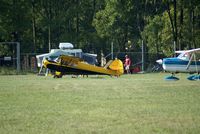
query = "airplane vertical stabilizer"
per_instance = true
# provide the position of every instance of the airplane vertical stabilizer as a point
(117, 65)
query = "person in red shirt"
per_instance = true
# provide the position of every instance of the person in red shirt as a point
(127, 63)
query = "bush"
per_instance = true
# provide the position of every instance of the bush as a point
(9, 71)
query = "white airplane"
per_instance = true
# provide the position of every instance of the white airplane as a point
(188, 61)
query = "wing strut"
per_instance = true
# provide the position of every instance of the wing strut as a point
(196, 63)
(190, 61)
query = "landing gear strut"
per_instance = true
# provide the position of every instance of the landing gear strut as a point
(194, 77)
(171, 78)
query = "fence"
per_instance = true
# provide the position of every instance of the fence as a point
(140, 61)
(29, 61)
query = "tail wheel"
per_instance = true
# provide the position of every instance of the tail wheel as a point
(57, 75)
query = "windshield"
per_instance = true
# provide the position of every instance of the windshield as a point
(184, 56)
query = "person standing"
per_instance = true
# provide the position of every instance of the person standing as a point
(127, 63)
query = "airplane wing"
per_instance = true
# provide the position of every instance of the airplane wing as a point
(197, 50)
(194, 50)
(180, 51)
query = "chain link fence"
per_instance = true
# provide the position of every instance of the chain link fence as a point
(140, 62)
(148, 64)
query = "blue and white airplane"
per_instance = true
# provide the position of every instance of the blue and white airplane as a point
(188, 61)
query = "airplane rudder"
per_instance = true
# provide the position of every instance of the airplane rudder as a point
(116, 65)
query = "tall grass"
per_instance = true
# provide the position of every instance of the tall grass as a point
(8, 71)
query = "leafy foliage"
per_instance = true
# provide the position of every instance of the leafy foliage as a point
(93, 24)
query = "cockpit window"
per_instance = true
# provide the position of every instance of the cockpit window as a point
(184, 56)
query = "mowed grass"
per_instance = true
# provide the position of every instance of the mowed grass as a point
(138, 103)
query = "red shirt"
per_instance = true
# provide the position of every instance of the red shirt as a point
(127, 62)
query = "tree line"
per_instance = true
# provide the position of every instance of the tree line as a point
(162, 25)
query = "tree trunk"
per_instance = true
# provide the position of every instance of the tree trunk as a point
(94, 6)
(181, 27)
(193, 37)
(190, 29)
(193, 29)
(173, 22)
(175, 25)
(77, 22)
(49, 27)
(33, 26)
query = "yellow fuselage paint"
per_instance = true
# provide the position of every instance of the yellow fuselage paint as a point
(115, 68)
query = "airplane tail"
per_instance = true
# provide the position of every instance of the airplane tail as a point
(117, 65)
(107, 64)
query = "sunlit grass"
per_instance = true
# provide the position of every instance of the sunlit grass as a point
(142, 103)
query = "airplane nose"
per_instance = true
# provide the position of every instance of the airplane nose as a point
(160, 61)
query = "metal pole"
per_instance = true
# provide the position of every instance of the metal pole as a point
(142, 56)
(18, 57)
(49, 34)
(112, 50)
(174, 48)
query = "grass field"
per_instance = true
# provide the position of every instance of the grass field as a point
(131, 104)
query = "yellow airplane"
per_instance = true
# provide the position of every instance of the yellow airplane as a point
(73, 65)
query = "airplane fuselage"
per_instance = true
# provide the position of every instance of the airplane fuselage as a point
(177, 65)
(74, 65)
